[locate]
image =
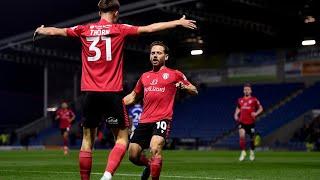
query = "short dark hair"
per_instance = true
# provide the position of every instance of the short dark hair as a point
(108, 5)
(247, 85)
(160, 43)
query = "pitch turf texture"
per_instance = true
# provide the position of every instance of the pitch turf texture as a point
(52, 165)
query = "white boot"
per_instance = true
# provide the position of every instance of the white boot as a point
(242, 155)
(252, 157)
(106, 176)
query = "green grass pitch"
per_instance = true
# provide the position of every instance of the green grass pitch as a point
(53, 165)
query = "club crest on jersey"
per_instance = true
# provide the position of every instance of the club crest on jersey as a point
(165, 76)
(250, 101)
(154, 82)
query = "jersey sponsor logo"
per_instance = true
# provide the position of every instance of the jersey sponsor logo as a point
(154, 82)
(245, 107)
(112, 121)
(165, 76)
(154, 89)
(100, 26)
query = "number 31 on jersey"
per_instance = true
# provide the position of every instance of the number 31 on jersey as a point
(93, 47)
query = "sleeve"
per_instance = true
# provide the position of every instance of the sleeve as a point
(182, 78)
(75, 31)
(72, 114)
(139, 87)
(238, 103)
(128, 30)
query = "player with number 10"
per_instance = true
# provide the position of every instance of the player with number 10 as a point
(158, 88)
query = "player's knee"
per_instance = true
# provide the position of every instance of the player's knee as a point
(155, 150)
(134, 155)
(242, 133)
(86, 146)
(122, 141)
(122, 137)
(134, 158)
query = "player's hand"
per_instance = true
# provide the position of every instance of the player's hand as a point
(253, 114)
(180, 85)
(130, 131)
(190, 24)
(236, 118)
(38, 31)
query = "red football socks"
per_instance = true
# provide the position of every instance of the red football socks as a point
(242, 143)
(115, 157)
(85, 164)
(155, 164)
(65, 141)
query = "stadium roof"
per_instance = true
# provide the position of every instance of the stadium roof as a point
(224, 26)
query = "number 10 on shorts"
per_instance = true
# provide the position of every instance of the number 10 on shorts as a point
(162, 125)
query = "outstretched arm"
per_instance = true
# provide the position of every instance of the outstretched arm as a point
(50, 31)
(190, 24)
(190, 89)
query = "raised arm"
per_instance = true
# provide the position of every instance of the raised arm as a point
(50, 31)
(190, 24)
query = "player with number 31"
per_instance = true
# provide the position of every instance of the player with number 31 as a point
(101, 81)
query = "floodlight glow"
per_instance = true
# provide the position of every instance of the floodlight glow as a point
(196, 52)
(52, 109)
(308, 42)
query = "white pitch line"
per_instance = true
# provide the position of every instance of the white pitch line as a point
(117, 174)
